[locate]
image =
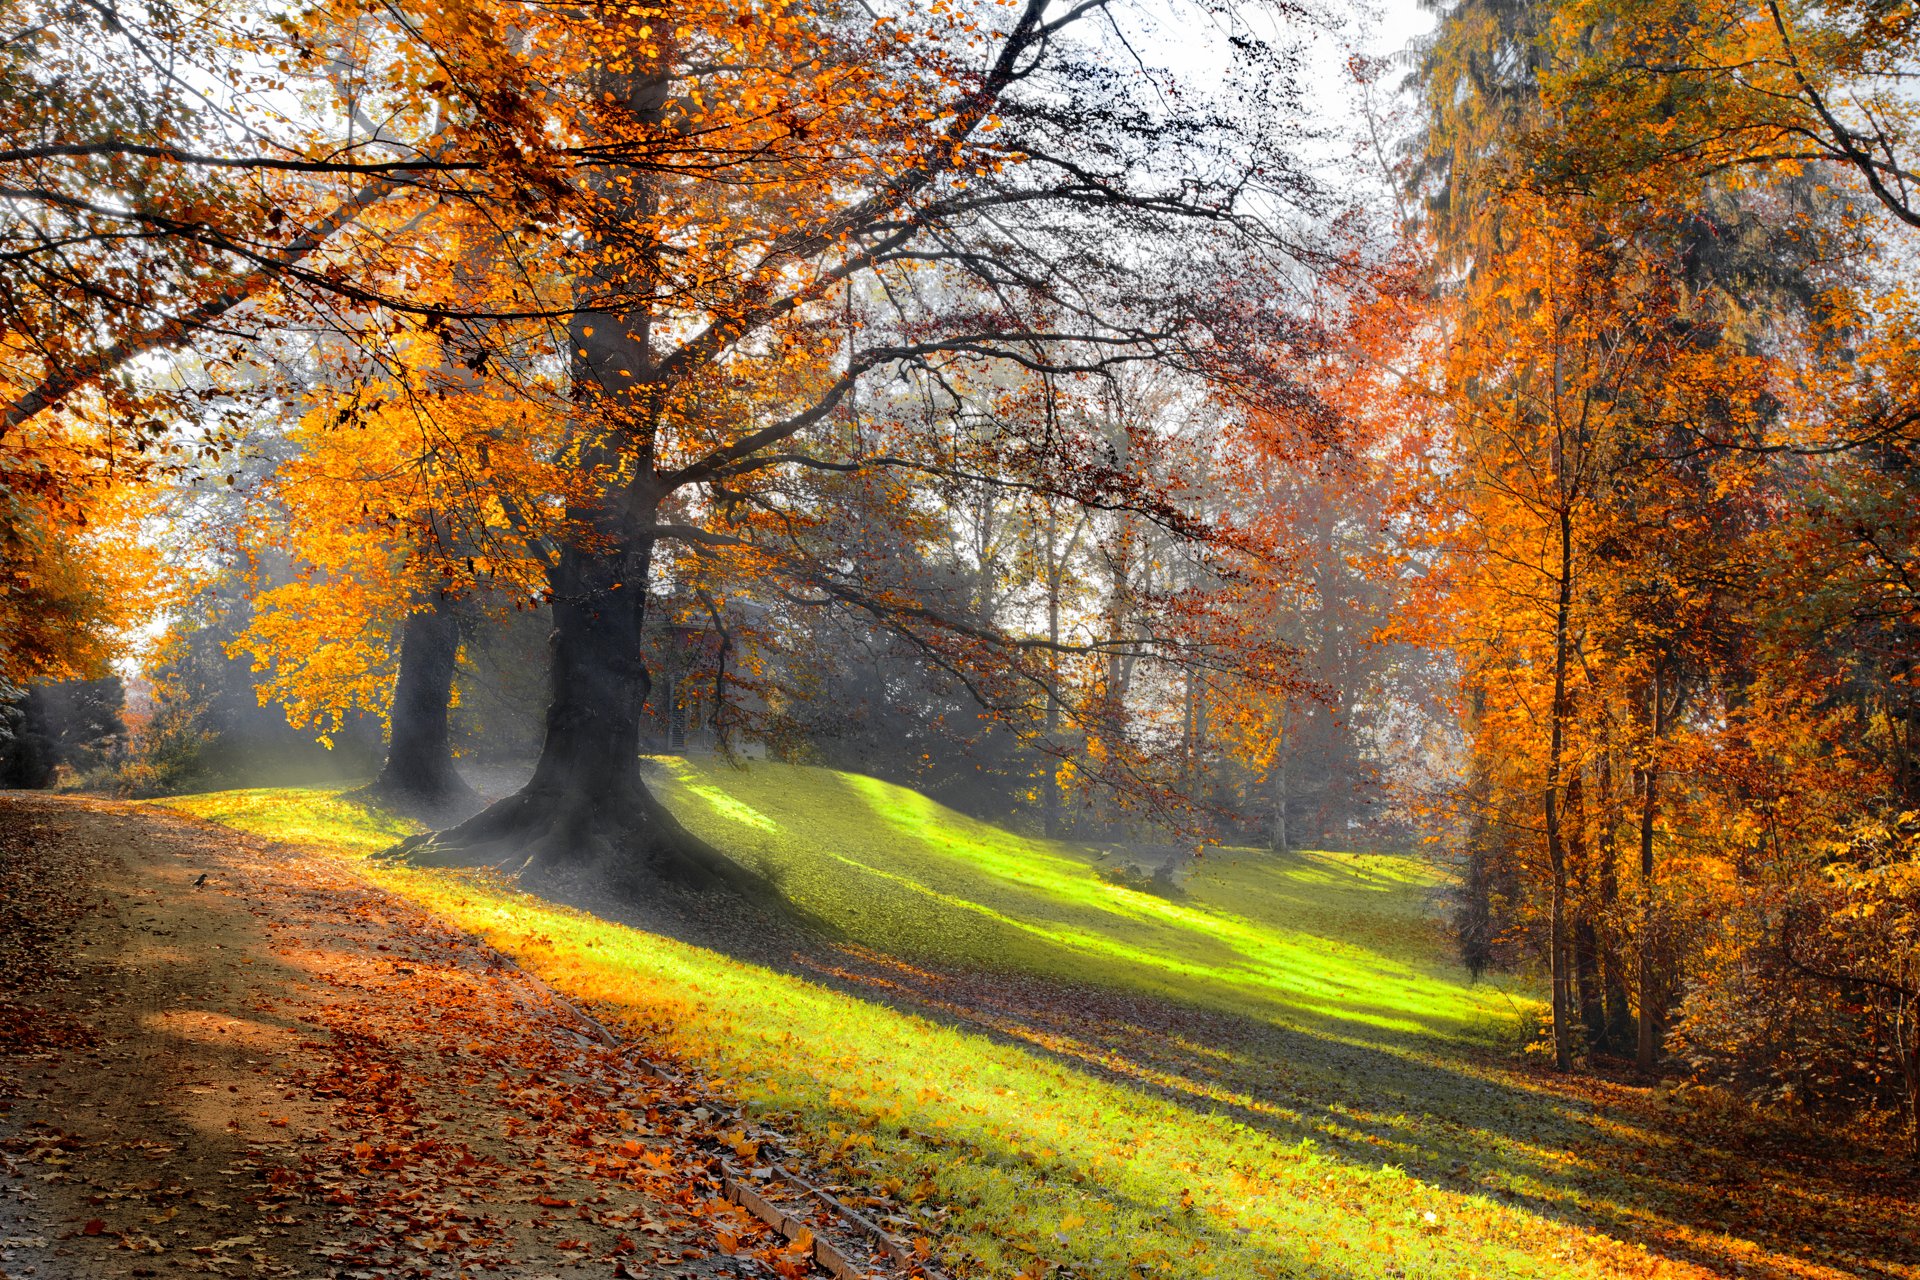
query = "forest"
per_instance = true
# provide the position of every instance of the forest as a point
(1078, 637)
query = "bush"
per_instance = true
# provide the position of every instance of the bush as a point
(169, 756)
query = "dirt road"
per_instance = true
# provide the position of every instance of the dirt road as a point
(221, 1057)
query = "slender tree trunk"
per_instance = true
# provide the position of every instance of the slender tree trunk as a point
(1647, 1047)
(1473, 916)
(1277, 836)
(1119, 671)
(1586, 937)
(1050, 784)
(1619, 1005)
(1187, 769)
(1559, 952)
(1200, 736)
(1906, 1039)
(418, 774)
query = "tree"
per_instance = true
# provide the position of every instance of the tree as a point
(1584, 374)
(676, 201)
(943, 151)
(73, 569)
(1706, 87)
(413, 504)
(73, 723)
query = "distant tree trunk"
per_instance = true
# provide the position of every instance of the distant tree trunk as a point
(1473, 915)
(1906, 1046)
(1187, 770)
(1586, 937)
(1050, 784)
(1647, 1048)
(1112, 725)
(1200, 735)
(1277, 780)
(1193, 734)
(1558, 949)
(1619, 1006)
(418, 775)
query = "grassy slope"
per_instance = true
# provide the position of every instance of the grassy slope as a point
(1343, 942)
(1334, 1038)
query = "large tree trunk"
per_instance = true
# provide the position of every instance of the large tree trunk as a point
(586, 806)
(600, 681)
(418, 776)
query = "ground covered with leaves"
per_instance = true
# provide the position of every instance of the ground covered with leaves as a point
(222, 1057)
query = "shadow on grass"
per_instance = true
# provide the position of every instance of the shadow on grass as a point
(1603, 1155)
(1369, 1081)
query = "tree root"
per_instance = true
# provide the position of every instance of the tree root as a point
(447, 801)
(628, 841)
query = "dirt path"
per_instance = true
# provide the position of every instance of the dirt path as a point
(220, 1057)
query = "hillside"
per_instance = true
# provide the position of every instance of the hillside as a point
(1278, 1073)
(1339, 942)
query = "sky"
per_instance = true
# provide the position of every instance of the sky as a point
(1187, 42)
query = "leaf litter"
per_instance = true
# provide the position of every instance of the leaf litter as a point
(284, 1070)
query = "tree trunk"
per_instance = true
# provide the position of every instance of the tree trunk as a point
(1619, 1006)
(1586, 938)
(1473, 917)
(1050, 784)
(1558, 950)
(1277, 835)
(1204, 784)
(1588, 979)
(1906, 1044)
(418, 776)
(1647, 1047)
(600, 681)
(586, 805)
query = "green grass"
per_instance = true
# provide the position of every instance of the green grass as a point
(1276, 1075)
(318, 820)
(1345, 942)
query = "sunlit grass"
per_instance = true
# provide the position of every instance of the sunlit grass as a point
(1345, 942)
(1040, 1158)
(297, 816)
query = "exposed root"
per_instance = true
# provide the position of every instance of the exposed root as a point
(627, 841)
(448, 800)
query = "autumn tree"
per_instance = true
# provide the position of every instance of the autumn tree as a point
(1705, 87)
(415, 503)
(932, 206)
